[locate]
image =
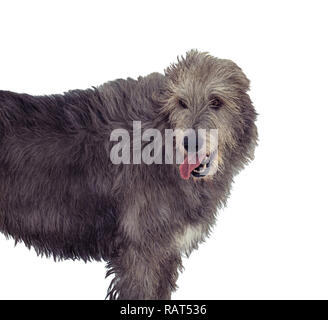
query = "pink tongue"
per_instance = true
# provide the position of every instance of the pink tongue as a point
(189, 164)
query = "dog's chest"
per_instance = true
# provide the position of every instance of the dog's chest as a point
(189, 238)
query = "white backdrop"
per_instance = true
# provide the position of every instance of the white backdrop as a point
(271, 241)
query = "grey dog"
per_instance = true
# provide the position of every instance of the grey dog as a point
(61, 194)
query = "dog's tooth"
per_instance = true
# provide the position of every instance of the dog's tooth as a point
(202, 170)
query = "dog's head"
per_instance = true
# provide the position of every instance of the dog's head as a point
(207, 97)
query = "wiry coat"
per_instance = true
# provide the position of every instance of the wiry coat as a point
(60, 193)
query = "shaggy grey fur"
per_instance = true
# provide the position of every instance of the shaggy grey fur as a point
(60, 193)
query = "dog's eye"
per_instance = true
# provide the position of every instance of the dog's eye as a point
(216, 103)
(182, 104)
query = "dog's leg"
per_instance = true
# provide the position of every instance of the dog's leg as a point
(169, 276)
(142, 276)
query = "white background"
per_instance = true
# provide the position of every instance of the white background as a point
(271, 241)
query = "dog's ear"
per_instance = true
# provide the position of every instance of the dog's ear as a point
(159, 98)
(235, 75)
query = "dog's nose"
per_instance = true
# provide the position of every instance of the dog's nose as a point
(192, 145)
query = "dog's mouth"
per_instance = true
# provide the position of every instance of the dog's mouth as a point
(203, 168)
(196, 165)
